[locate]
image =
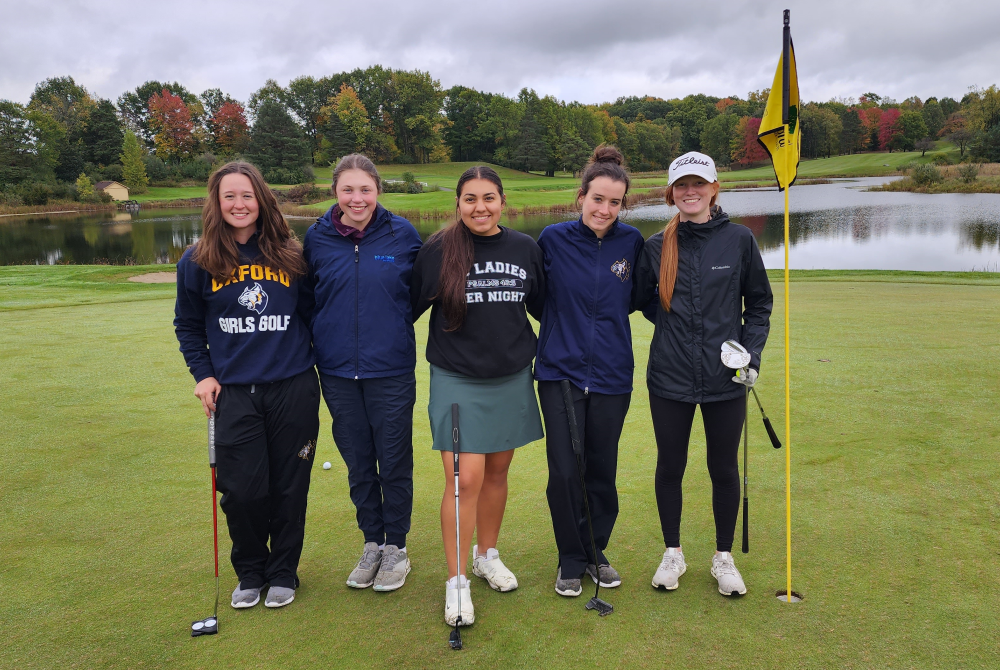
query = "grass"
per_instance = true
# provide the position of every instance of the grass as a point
(106, 535)
(987, 181)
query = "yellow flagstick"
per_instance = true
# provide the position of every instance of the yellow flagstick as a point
(788, 414)
(780, 135)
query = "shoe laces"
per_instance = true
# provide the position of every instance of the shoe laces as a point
(389, 560)
(726, 566)
(671, 562)
(368, 559)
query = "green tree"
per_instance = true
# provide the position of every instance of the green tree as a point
(573, 153)
(305, 97)
(913, 129)
(18, 144)
(468, 137)
(717, 137)
(133, 167)
(933, 116)
(103, 135)
(529, 150)
(276, 141)
(84, 188)
(343, 125)
(821, 131)
(70, 106)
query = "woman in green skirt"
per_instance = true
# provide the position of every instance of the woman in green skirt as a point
(479, 280)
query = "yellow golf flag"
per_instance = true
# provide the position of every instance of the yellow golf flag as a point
(779, 132)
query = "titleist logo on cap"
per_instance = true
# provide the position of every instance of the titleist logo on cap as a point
(689, 160)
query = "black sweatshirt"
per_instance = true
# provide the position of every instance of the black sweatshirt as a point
(496, 339)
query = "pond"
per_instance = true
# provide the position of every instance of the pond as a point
(832, 226)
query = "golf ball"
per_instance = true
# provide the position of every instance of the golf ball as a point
(327, 466)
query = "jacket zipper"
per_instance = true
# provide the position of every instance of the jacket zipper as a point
(357, 315)
(593, 318)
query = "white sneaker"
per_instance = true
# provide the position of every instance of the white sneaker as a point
(492, 569)
(451, 597)
(671, 568)
(724, 570)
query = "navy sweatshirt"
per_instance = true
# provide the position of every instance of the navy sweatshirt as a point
(585, 335)
(249, 329)
(362, 323)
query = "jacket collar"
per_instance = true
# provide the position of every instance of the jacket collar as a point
(381, 223)
(718, 218)
(589, 234)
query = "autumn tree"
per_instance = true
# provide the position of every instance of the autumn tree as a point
(956, 130)
(172, 127)
(230, 132)
(134, 106)
(870, 118)
(746, 149)
(344, 126)
(889, 129)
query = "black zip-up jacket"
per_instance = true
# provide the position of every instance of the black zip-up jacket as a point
(721, 293)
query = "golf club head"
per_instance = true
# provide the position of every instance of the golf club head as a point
(603, 608)
(734, 355)
(209, 626)
(455, 641)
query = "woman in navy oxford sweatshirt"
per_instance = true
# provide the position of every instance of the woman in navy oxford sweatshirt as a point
(585, 338)
(243, 333)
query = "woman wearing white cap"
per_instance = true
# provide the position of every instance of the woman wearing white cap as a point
(701, 282)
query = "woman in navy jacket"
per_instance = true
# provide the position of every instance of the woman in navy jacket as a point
(585, 338)
(360, 258)
(243, 328)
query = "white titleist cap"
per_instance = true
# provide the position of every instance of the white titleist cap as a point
(692, 163)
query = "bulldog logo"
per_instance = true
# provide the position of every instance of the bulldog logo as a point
(254, 298)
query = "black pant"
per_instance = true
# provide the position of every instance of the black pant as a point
(265, 439)
(599, 419)
(723, 426)
(373, 429)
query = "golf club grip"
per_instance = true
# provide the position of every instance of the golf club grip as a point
(746, 526)
(574, 430)
(775, 442)
(211, 440)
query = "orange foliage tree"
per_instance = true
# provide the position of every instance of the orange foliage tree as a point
(170, 121)
(746, 148)
(230, 130)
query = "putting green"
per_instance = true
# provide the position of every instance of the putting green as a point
(106, 531)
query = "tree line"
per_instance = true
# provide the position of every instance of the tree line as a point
(162, 133)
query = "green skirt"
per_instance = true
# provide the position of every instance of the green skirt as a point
(493, 414)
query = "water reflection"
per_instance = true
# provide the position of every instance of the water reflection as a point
(832, 226)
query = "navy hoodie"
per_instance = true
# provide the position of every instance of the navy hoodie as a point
(585, 335)
(249, 329)
(362, 323)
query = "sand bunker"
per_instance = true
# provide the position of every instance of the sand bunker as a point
(155, 278)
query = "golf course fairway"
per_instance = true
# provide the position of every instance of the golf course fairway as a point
(106, 531)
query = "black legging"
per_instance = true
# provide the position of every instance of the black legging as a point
(723, 426)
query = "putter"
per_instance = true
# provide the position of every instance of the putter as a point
(736, 357)
(455, 640)
(603, 608)
(210, 625)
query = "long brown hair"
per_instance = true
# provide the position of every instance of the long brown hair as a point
(668, 251)
(458, 252)
(217, 250)
(606, 161)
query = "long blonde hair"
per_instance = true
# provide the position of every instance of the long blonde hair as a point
(668, 251)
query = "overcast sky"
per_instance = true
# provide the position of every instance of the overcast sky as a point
(586, 50)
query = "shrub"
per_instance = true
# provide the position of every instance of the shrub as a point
(287, 176)
(156, 169)
(925, 175)
(37, 194)
(303, 194)
(968, 172)
(196, 169)
(942, 159)
(393, 186)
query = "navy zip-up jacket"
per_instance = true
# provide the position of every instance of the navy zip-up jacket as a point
(362, 323)
(585, 335)
(250, 329)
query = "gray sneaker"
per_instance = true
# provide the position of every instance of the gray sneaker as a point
(609, 576)
(279, 596)
(243, 598)
(567, 587)
(395, 566)
(364, 574)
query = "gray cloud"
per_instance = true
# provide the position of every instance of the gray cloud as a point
(586, 50)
